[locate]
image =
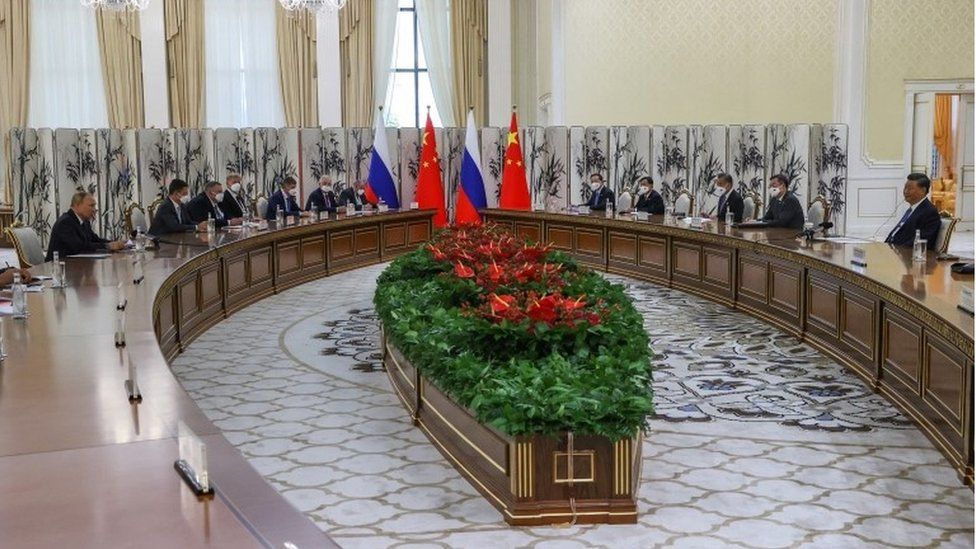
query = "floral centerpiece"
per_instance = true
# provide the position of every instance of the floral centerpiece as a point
(518, 334)
(529, 373)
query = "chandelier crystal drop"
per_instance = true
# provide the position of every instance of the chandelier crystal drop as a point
(116, 5)
(315, 6)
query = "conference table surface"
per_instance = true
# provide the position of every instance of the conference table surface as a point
(82, 466)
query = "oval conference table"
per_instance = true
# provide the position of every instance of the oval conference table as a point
(81, 466)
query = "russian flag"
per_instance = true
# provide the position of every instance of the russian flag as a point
(379, 182)
(471, 192)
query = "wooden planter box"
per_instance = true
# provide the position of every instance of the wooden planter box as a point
(527, 478)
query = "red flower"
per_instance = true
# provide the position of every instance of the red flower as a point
(573, 304)
(500, 303)
(438, 255)
(543, 310)
(463, 271)
(494, 271)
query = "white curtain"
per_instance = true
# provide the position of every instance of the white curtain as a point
(66, 89)
(241, 68)
(434, 22)
(384, 29)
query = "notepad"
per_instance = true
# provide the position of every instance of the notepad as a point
(90, 256)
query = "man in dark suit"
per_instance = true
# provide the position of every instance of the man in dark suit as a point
(171, 216)
(207, 205)
(601, 197)
(72, 232)
(323, 198)
(784, 208)
(285, 199)
(355, 195)
(234, 203)
(648, 200)
(729, 200)
(921, 214)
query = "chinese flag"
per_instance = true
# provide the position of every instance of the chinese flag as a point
(430, 191)
(515, 188)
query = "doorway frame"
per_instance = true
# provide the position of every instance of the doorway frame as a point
(913, 88)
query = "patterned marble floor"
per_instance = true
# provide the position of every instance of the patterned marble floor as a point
(757, 440)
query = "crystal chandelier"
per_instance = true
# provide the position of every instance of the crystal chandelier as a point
(315, 6)
(116, 5)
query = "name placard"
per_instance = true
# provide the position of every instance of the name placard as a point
(192, 465)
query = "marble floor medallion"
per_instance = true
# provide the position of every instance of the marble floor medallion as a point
(757, 440)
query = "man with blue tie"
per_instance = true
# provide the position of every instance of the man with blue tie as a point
(729, 200)
(285, 200)
(323, 198)
(920, 216)
(600, 195)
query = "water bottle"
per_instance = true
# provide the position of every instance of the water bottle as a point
(279, 218)
(315, 211)
(211, 226)
(350, 209)
(919, 247)
(19, 297)
(140, 240)
(381, 205)
(729, 218)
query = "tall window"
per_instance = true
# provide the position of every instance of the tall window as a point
(66, 87)
(409, 88)
(242, 64)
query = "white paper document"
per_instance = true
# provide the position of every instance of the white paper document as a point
(846, 240)
(91, 256)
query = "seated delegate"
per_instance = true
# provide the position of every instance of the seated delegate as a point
(72, 232)
(784, 208)
(285, 199)
(648, 200)
(921, 214)
(172, 216)
(206, 205)
(323, 198)
(601, 197)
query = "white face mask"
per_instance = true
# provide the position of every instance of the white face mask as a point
(185, 199)
(219, 197)
(327, 188)
(774, 192)
(645, 190)
(720, 190)
(236, 187)
(594, 186)
(293, 192)
(361, 192)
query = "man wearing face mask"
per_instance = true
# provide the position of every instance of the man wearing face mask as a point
(207, 205)
(729, 200)
(234, 203)
(171, 216)
(72, 232)
(285, 199)
(323, 198)
(601, 196)
(784, 209)
(648, 200)
(355, 195)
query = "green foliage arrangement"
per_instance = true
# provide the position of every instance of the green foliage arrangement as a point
(522, 336)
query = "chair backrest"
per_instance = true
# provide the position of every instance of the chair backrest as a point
(624, 202)
(748, 208)
(946, 228)
(816, 213)
(684, 203)
(28, 245)
(135, 218)
(153, 205)
(262, 205)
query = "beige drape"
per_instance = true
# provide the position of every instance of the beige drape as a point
(14, 77)
(120, 49)
(295, 35)
(356, 58)
(469, 54)
(184, 62)
(943, 133)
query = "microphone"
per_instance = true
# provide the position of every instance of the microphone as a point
(883, 223)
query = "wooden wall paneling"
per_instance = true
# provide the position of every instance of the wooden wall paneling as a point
(560, 237)
(418, 232)
(591, 246)
(860, 324)
(530, 231)
(686, 261)
(288, 260)
(313, 253)
(718, 271)
(786, 283)
(823, 306)
(901, 354)
(394, 236)
(653, 257)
